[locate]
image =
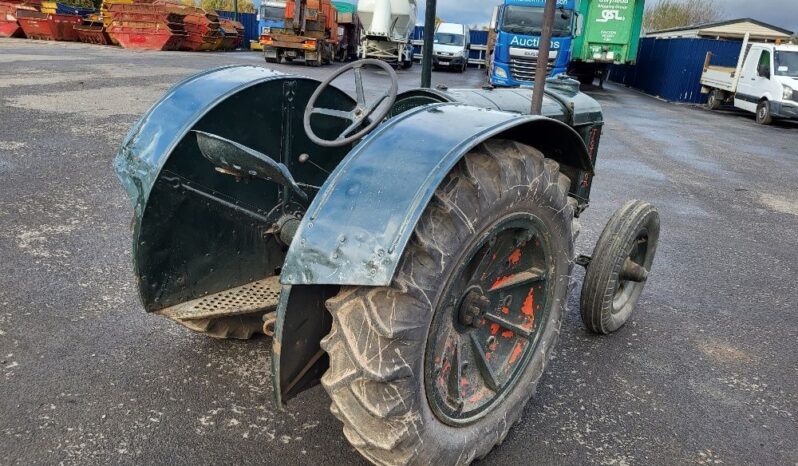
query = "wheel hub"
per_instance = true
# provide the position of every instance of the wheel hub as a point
(487, 321)
(632, 275)
(474, 306)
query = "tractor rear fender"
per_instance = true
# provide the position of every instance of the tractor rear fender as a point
(197, 231)
(357, 227)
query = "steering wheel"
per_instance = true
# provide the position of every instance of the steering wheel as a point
(362, 111)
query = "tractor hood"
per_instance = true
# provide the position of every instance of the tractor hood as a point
(562, 100)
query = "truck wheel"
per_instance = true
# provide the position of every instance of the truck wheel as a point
(763, 113)
(586, 79)
(314, 62)
(715, 99)
(436, 368)
(617, 273)
(329, 54)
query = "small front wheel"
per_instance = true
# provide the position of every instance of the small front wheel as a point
(619, 268)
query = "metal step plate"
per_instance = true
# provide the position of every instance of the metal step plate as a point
(252, 297)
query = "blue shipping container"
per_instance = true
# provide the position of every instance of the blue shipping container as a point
(250, 22)
(671, 68)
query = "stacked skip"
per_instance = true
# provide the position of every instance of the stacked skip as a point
(146, 26)
(105, 16)
(135, 24)
(203, 31)
(49, 21)
(92, 31)
(9, 27)
(233, 34)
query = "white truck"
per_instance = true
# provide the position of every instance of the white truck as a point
(387, 26)
(765, 81)
(451, 46)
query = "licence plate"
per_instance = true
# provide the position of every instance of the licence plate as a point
(444, 62)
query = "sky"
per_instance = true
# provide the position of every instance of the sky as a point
(781, 13)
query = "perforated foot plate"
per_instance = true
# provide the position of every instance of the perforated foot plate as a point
(252, 297)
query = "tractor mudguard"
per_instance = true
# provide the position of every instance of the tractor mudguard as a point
(197, 231)
(357, 227)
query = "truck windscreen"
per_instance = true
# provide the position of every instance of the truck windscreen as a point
(529, 21)
(449, 39)
(271, 12)
(786, 63)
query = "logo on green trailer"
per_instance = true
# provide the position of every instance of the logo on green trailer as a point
(609, 15)
(611, 18)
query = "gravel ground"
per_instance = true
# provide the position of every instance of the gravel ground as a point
(705, 372)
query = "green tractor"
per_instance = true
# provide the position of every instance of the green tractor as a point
(413, 253)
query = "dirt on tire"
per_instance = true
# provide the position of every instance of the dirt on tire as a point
(378, 337)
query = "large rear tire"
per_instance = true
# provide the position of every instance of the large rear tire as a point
(422, 372)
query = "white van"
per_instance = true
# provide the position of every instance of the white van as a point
(451, 46)
(765, 82)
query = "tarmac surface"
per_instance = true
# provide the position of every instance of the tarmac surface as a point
(706, 371)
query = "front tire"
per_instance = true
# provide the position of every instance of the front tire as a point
(621, 261)
(389, 346)
(764, 116)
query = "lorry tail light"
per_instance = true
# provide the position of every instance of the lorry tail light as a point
(266, 40)
(309, 44)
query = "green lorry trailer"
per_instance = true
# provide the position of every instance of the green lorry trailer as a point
(607, 32)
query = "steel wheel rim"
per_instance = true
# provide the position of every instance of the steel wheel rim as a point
(470, 368)
(627, 291)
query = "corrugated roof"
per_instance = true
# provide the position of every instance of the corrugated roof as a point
(724, 23)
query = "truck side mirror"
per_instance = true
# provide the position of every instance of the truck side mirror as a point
(764, 71)
(494, 19)
(579, 23)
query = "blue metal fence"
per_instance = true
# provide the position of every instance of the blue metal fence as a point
(671, 68)
(250, 22)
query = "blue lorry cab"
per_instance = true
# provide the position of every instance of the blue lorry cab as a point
(518, 25)
(271, 14)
